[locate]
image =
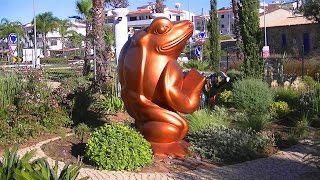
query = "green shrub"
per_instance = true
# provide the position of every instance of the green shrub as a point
(309, 81)
(255, 122)
(316, 102)
(225, 145)
(34, 111)
(80, 130)
(13, 167)
(281, 108)
(62, 75)
(199, 65)
(234, 75)
(203, 118)
(110, 104)
(11, 85)
(225, 37)
(306, 104)
(54, 60)
(225, 98)
(252, 96)
(302, 127)
(118, 147)
(288, 95)
(11, 162)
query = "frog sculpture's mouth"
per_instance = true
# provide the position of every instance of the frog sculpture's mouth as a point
(170, 45)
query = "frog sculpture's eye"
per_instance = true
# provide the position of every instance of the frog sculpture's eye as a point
(162, 29)
(160, 26)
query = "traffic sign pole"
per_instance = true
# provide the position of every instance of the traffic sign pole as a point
(12, 44)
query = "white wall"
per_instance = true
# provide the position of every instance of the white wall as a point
(28, 54)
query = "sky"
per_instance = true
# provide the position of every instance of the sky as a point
(22, 10)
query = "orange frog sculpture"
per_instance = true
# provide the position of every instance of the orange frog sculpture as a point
(154, 88)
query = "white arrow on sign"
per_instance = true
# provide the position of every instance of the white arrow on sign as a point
(198, 51)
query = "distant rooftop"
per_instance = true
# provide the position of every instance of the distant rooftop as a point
(283, 17)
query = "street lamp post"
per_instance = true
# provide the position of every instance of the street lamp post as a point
(264, 21)
(35, 58)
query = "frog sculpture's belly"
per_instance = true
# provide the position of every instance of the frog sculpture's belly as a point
(154, 88)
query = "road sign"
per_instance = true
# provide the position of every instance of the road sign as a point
(265, 52)
(12, 48)
(12, 38)
(202, 35)
(198, 51)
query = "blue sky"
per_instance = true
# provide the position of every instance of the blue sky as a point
(22, 10)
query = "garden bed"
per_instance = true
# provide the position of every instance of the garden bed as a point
(36, 140)
(71, 150)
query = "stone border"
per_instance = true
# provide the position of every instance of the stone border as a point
(287, 164)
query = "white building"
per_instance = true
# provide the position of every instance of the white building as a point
(54, 41)
(54, 38)
(142, 17)
(226, 21)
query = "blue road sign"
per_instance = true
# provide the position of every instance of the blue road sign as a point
(198, 51)
(12, 38)
(202, 35)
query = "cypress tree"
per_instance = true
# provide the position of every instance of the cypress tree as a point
(214, 40)
(250, 32)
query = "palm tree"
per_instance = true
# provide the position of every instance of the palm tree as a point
(84, 8)
(102, 54)
(159, 6)
(63, 26)
(76, 40)
(46, 23)
(7, 27)
(119, 3)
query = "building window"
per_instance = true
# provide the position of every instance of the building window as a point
(133, 18)
(53, 42)
(284, 40)
(222, 25)
(222, 16)
(177, 18)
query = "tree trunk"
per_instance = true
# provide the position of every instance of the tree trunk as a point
(45, 53)
(86, 65)
(237, 28)
(100, 46)
(62, 42)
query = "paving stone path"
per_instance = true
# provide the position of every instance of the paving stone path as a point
(289, 164)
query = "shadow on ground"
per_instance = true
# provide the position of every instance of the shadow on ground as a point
(287, 164)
